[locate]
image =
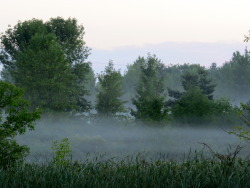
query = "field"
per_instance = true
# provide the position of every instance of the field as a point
(112, 155)
(115, 139)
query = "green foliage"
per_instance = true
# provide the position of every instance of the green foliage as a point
(192, 104)
(242, 65)
(70, 37)
(223, 106)
(195, 173)
(244, 62)
(62, 152)
(194, 76)
(232, 78)
(48, 77)
(132, 76)
(224, 113)
(196, 104)
(15, 119)
(109, 92)
(198, 77)
(150, 97)
(51, 56)
(83, 74)
(195, 107)
(241, 131)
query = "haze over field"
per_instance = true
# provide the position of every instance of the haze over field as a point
(125, 93)
(111, 139)
(178, 86)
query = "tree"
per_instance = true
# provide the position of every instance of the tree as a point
(51, 55)
(48, 77)
(232, 78)
(133, 74)
(149, 100)
(132, 77)
(198, 78)
(196, 108)
(70, 37)
(196, 103)
(15, 119)
(193, 105)
(243, 61)
(109, 92)
(195, 76)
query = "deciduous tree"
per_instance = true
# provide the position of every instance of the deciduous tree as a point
(48, 61)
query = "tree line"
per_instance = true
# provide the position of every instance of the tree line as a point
(49, 61)
(45, 69)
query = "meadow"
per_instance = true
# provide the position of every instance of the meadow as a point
(121, 155)
(198, 172)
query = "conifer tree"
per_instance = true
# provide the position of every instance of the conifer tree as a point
(195, 77)
(150, 98)
(109, 94)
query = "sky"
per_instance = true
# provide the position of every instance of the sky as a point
(118, 29)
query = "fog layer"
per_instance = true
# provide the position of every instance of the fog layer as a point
(114, 139)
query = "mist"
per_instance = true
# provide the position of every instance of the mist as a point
(188, 102)
(114, 139)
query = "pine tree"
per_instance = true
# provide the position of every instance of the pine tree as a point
(195, 77)
(149, 100)
(109, 94)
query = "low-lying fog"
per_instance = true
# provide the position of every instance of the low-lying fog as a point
(114, 140)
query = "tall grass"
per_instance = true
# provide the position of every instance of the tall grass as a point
(196, 172)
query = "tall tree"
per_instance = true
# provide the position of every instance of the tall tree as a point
(43, 71)
(133, 74)
(150, 98)
(109, 92)
(51, 56)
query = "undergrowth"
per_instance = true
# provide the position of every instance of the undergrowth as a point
(196, 172)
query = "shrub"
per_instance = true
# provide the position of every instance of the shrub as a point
(62, 152)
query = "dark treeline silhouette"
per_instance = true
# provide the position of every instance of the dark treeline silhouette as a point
(49, 61)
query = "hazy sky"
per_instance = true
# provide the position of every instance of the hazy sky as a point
(115, 23)
(112, 23)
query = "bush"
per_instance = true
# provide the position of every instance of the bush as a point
(62, 152)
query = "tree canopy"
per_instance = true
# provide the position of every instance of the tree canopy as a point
(52, 57)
